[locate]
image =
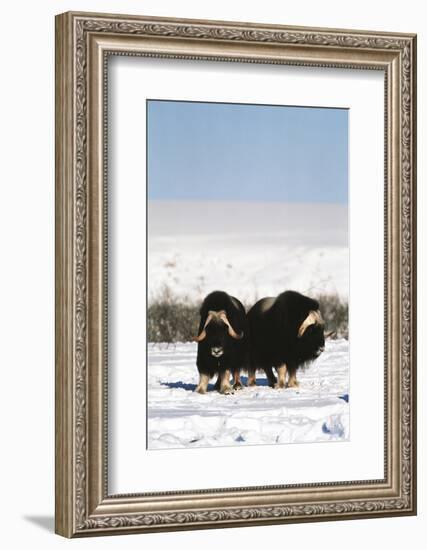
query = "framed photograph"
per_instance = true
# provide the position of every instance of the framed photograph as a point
(235, 274)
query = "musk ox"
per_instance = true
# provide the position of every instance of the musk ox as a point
(222, 341)
(286, 332)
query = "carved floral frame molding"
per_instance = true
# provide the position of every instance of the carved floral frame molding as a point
(83, 43)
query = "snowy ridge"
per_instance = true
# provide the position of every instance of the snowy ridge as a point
(248, 249)
(180, 418)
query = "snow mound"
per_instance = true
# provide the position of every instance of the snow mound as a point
(180, 418)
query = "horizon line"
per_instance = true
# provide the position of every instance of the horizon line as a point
(255, 201)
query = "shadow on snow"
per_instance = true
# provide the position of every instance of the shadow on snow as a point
(191, 387)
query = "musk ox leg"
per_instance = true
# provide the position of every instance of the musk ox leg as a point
(281, 372)
(236, 379)
(272, 380)
(203, 383)
(292, 381)
(251, 377)
(225, 386)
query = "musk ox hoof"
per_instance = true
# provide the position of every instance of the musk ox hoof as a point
(200, 390)
(279, 386)
(238, 386)
(226, 391)
(293, 384)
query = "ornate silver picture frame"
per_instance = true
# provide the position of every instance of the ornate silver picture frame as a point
(84, 505)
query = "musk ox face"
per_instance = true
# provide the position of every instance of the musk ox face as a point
(311, 337)
(217, 338)
(312, 344)
(217, 334)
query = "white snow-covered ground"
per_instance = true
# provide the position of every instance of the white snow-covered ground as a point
(248, 249)
(180, 418)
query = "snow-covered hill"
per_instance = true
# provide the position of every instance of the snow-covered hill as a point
(248, 249)
(178, 417)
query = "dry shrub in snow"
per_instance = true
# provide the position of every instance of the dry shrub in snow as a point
(173, 319)
(335, 313)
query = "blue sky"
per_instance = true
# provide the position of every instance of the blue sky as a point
(214, 151)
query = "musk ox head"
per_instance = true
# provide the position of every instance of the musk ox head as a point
(217, 333)
(311, 337)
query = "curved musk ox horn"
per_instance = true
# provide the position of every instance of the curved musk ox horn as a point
(218, 315)
(231, 331)
(202, 335)
(313, 318)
